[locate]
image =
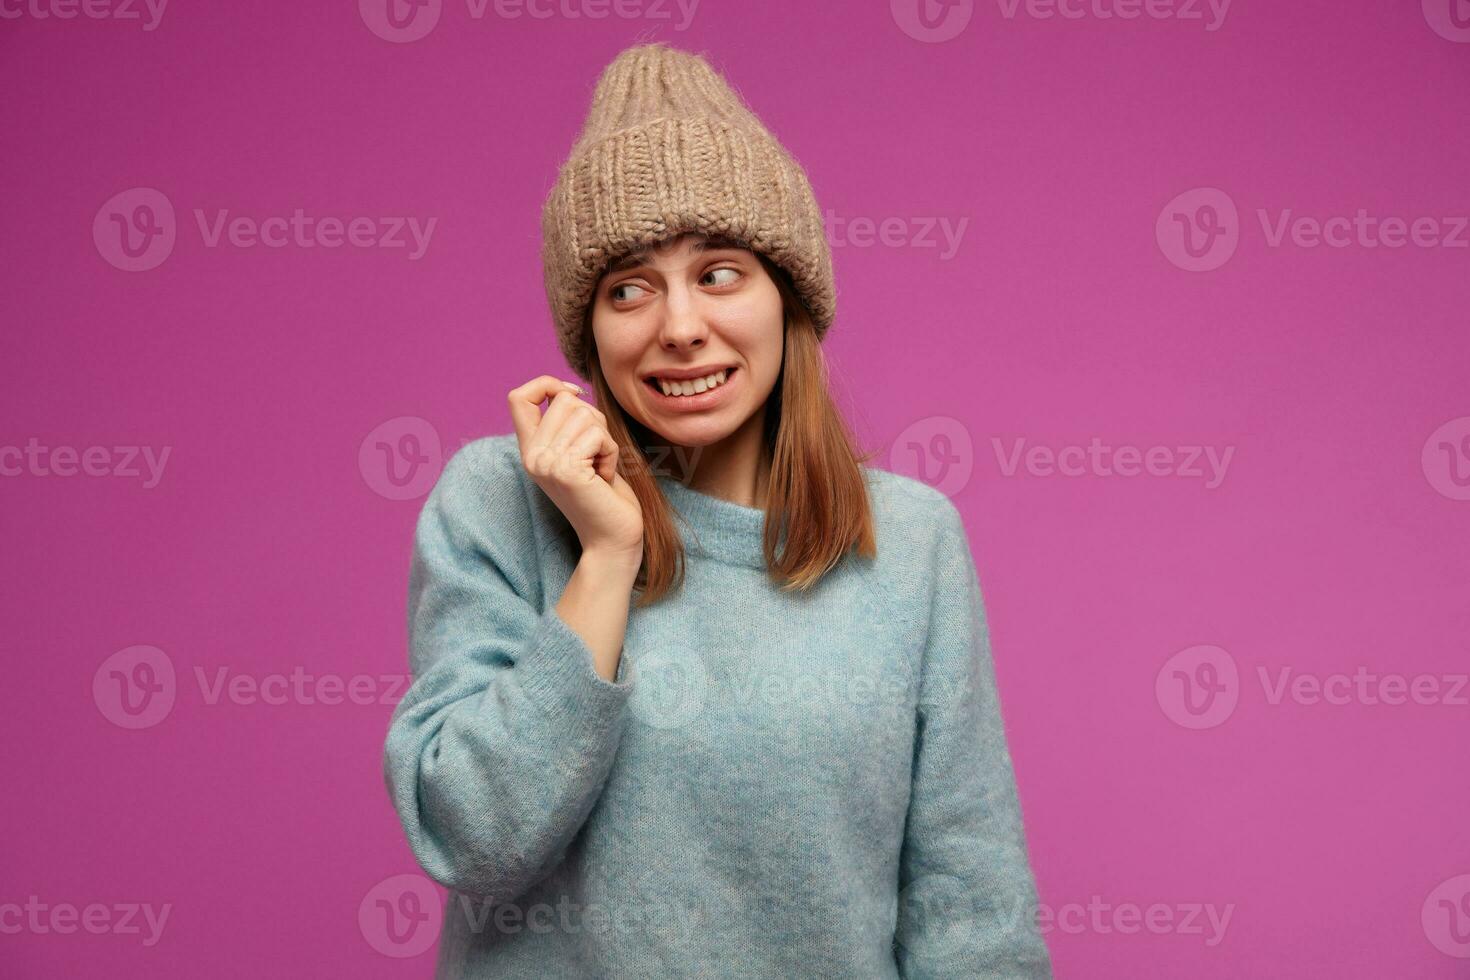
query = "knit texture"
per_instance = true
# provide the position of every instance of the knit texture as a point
(668, 147)
(773, 786)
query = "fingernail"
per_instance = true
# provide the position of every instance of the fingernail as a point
(575, 387)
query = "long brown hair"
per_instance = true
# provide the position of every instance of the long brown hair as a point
(816, 496)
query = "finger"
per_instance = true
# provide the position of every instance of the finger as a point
(607, 450)
(562, 423)
(592, 445)
(525, 403)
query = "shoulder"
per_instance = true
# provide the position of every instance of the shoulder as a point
(911, 505)
(481, 492)
(489, 463)
(479, 521)
(913, 516)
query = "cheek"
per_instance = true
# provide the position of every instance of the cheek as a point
(756, 331)
(619, 346)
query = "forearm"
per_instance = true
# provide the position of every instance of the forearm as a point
(595, 606)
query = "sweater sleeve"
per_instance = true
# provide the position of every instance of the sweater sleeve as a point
(503, 742)
(967, 893)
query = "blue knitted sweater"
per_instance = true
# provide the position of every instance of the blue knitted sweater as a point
(775, 785)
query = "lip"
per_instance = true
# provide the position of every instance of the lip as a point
(712, 398)
(689, 374)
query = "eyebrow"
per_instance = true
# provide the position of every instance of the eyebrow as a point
(711, 244)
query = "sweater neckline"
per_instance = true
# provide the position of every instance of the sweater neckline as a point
(715, 527)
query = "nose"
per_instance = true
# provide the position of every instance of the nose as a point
(684, 327)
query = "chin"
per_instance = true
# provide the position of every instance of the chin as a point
(694, 434)
(698, 431)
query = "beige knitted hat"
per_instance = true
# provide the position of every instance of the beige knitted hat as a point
(668, 148)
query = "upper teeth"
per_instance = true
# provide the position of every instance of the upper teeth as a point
(692, 386)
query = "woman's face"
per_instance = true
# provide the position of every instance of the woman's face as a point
(690, 307)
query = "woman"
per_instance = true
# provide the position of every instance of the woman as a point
(782, 759)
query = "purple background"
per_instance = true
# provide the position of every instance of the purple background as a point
(1335, 542)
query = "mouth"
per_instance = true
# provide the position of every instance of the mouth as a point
(696, 399)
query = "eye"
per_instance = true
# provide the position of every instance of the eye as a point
(623, 285)
(734, 273)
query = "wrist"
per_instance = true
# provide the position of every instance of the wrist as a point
(612, 560)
